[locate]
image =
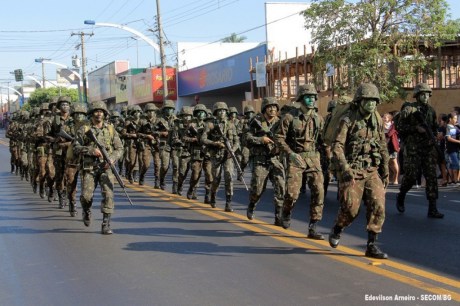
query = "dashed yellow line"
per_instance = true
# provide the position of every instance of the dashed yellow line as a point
(402, 273)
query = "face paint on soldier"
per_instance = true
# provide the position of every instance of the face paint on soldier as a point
(232, 116)
(79, 117)
(423, 97)
(151, 114)
(221, 114)
(367, 106)
(309, 101)
(168, 111)
(98, 116)
(65, 107)
(200, 115)
(137, 114)
(187, 118)
(249, 115)
(271, 111)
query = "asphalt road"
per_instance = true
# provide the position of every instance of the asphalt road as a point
(167, 250)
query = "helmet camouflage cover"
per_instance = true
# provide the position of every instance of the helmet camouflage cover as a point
(150, 107)
(421, 87)
(267, 101)
(98, 105)
(366, 90)
(232, 110)
(306, 89)
(135, 108)
(169, 104)
(63, 99)
(199, 107)
(248, 109)
(115, 114)
(78, 108)
(186, 110)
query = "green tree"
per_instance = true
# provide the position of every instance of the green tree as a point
(377, 41)
(42, 95)
(234, 38)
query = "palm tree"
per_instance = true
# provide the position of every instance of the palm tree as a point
(234, 38)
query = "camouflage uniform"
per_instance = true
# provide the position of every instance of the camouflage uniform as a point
(42, 129)
(148, 144)
(78, 112)
(181, 131)
(129, 134)
(220, 160)
(94, 169)
(419, 150)
(243, 127)
(119, 123)
(361, 155)
(192, 140)
(22, 144)
(50, 169)
(298, 136)
(325, 149)
(11, 133)
(207, 165)
(266, 162)
(163, 126)
(61, 121)
(32, 150)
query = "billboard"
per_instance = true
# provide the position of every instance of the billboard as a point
(148, 86)
(102, 83)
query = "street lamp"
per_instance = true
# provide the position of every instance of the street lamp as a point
(157, 47)
(41, 60)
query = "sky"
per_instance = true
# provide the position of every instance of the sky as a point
(31, 29)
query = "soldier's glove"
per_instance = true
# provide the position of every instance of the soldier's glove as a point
(347, 176)
(219, 145)
(296, 160)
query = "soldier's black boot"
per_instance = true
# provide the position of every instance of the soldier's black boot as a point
(51, 195)
(179, 188)
(334, 236)
(433, 210)
(141, 180)
(312, 233)
(17, 170)
(228, 204)
(372, 249)
(174, 188)
(286, 219)
(194, 197)
(135, 175)
(73, 208)
(34, 187)
(212, 201)
(86, 216)
(400, 202)
(278, 216)
(162, 184)
(250, 211)
(42, 191)
(206, 197)
(105, 227)
(61, 199)
(190, 194)
(12, 168)
(130, 178)
(157, 185)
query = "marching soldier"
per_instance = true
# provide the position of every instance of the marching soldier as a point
(11, 133)
(214, 135)
(50, 169)
(207, 165)
(118, 122)
(185, 152)
(164, 124)
(42, 129)
(265, 158)
(298, 136)
(149, 146)
(243, 127)
(416, 125)
(132, 125)
(95, 170)
(361, 154)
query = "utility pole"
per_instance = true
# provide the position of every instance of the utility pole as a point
(162, 54)
(83, 62)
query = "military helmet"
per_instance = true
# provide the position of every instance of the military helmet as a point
(186, 110)
(306, 89)
(124, 109)
(366, 90)
(98, 105)
(421, 87)
(150, 107)
(36, 111)
(209, 113)
(169, 104)
(63, 99)
(331, 105)
(44, 107)
(52, 101)
(232, 110)
(219, 105)
(135, 108)
(267, 101)
(25, 115)
(248, 109)
(115, 114)
(199, 107)
(78, 108)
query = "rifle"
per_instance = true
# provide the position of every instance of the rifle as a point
(105, 155)
(257, 125)
(228, 147)
(429, 134)
(63, 134)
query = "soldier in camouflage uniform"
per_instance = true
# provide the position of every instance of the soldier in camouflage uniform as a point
(175, 142)
(129, 134)
(185, 152)
(361, 156)
(265, 158)
(61, 121)
(298, 137)
(164, 124)
(50, 169)
(192, 139)
(119, 123)
(207, 165)
(94, 170)
(212, 138)
(32, 149)
(78, 112)
(11, 133)
(233, 118)
(23, 145)
(325, 150)
(243, 127)
(419, 149)
(42, 129)
(149, 144)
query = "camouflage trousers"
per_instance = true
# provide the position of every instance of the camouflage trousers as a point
(41, 170)
(427, 162)
(208, 175)
(196, 166)
(24, 160)
(71, 177)
(184, 168)
(131, 163)
(369, 188)
(59, 166)
(263, 169)
(14, 151)
(245, 155)
(50, 170)
(175, 161)
(165, 157)
(315, 181)
(89, 181)
(219, 164)
(145, 157)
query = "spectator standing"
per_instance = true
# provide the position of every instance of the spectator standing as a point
(391, 136)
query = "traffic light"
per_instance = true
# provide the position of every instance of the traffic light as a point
(18, 75)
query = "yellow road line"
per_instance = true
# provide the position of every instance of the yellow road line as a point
(321, 247)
